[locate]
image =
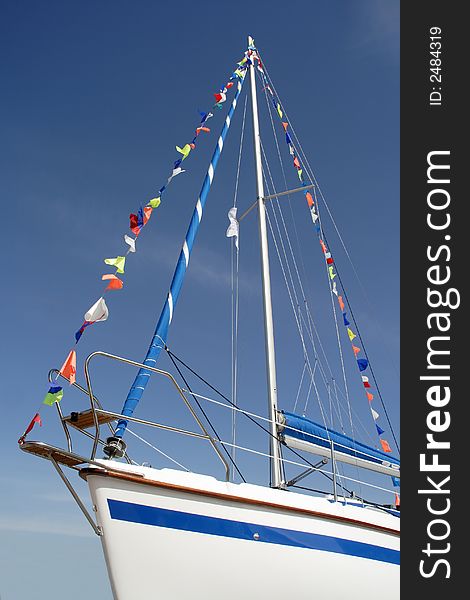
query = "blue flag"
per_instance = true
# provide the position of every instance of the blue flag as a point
(362, 363)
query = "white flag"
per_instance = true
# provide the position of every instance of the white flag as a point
(314, 215)
(233, 228)
(175, 172)
(130, 242)
(98, 312)
(375, 414)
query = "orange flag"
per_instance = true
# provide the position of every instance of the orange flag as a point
(370, 396)
(114, 282)
(69, 368)
(323, 246)
(341, 303)
(147, 213)
(285, 125)
(397, 500)
(385, 446)
(356, 350)
(309, 197)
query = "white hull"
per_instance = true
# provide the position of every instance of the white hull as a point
(175, 535)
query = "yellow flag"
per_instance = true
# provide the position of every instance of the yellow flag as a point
(185, 150)
(117, 262)
(279, 111)
(332, 273)
(154, 202)
(351, 334)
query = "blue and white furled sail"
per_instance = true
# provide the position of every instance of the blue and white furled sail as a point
(301, 433)
(161, 332)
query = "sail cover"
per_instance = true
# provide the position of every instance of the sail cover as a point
(304, 434)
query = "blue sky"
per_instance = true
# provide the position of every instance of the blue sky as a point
(94, 98)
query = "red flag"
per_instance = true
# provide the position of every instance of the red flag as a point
(323, 246)
(296, 162)
(34, 420)
(134, 224)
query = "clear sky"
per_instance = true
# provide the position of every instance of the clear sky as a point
(95, 95)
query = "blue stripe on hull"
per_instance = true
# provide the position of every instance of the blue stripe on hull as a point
(172, 519)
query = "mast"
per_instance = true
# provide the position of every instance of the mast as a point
(274, 448)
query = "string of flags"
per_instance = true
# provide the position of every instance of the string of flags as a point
(312, 203)
(99, 312)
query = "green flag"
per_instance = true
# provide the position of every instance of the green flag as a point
(51, 399)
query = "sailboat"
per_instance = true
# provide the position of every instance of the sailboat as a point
(174, 533)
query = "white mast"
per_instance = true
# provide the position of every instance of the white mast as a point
(276, 474)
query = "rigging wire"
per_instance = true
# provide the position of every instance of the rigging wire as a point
(234, 269)
(370, 365)
(296, 298)
(292, 252)
(261, 418)
(327, 273)
(205, 415)
(313, 179)
(295, 317)
(253, 420)
(281, 162)
(158, 450)
(300, 386)
(299, 324)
